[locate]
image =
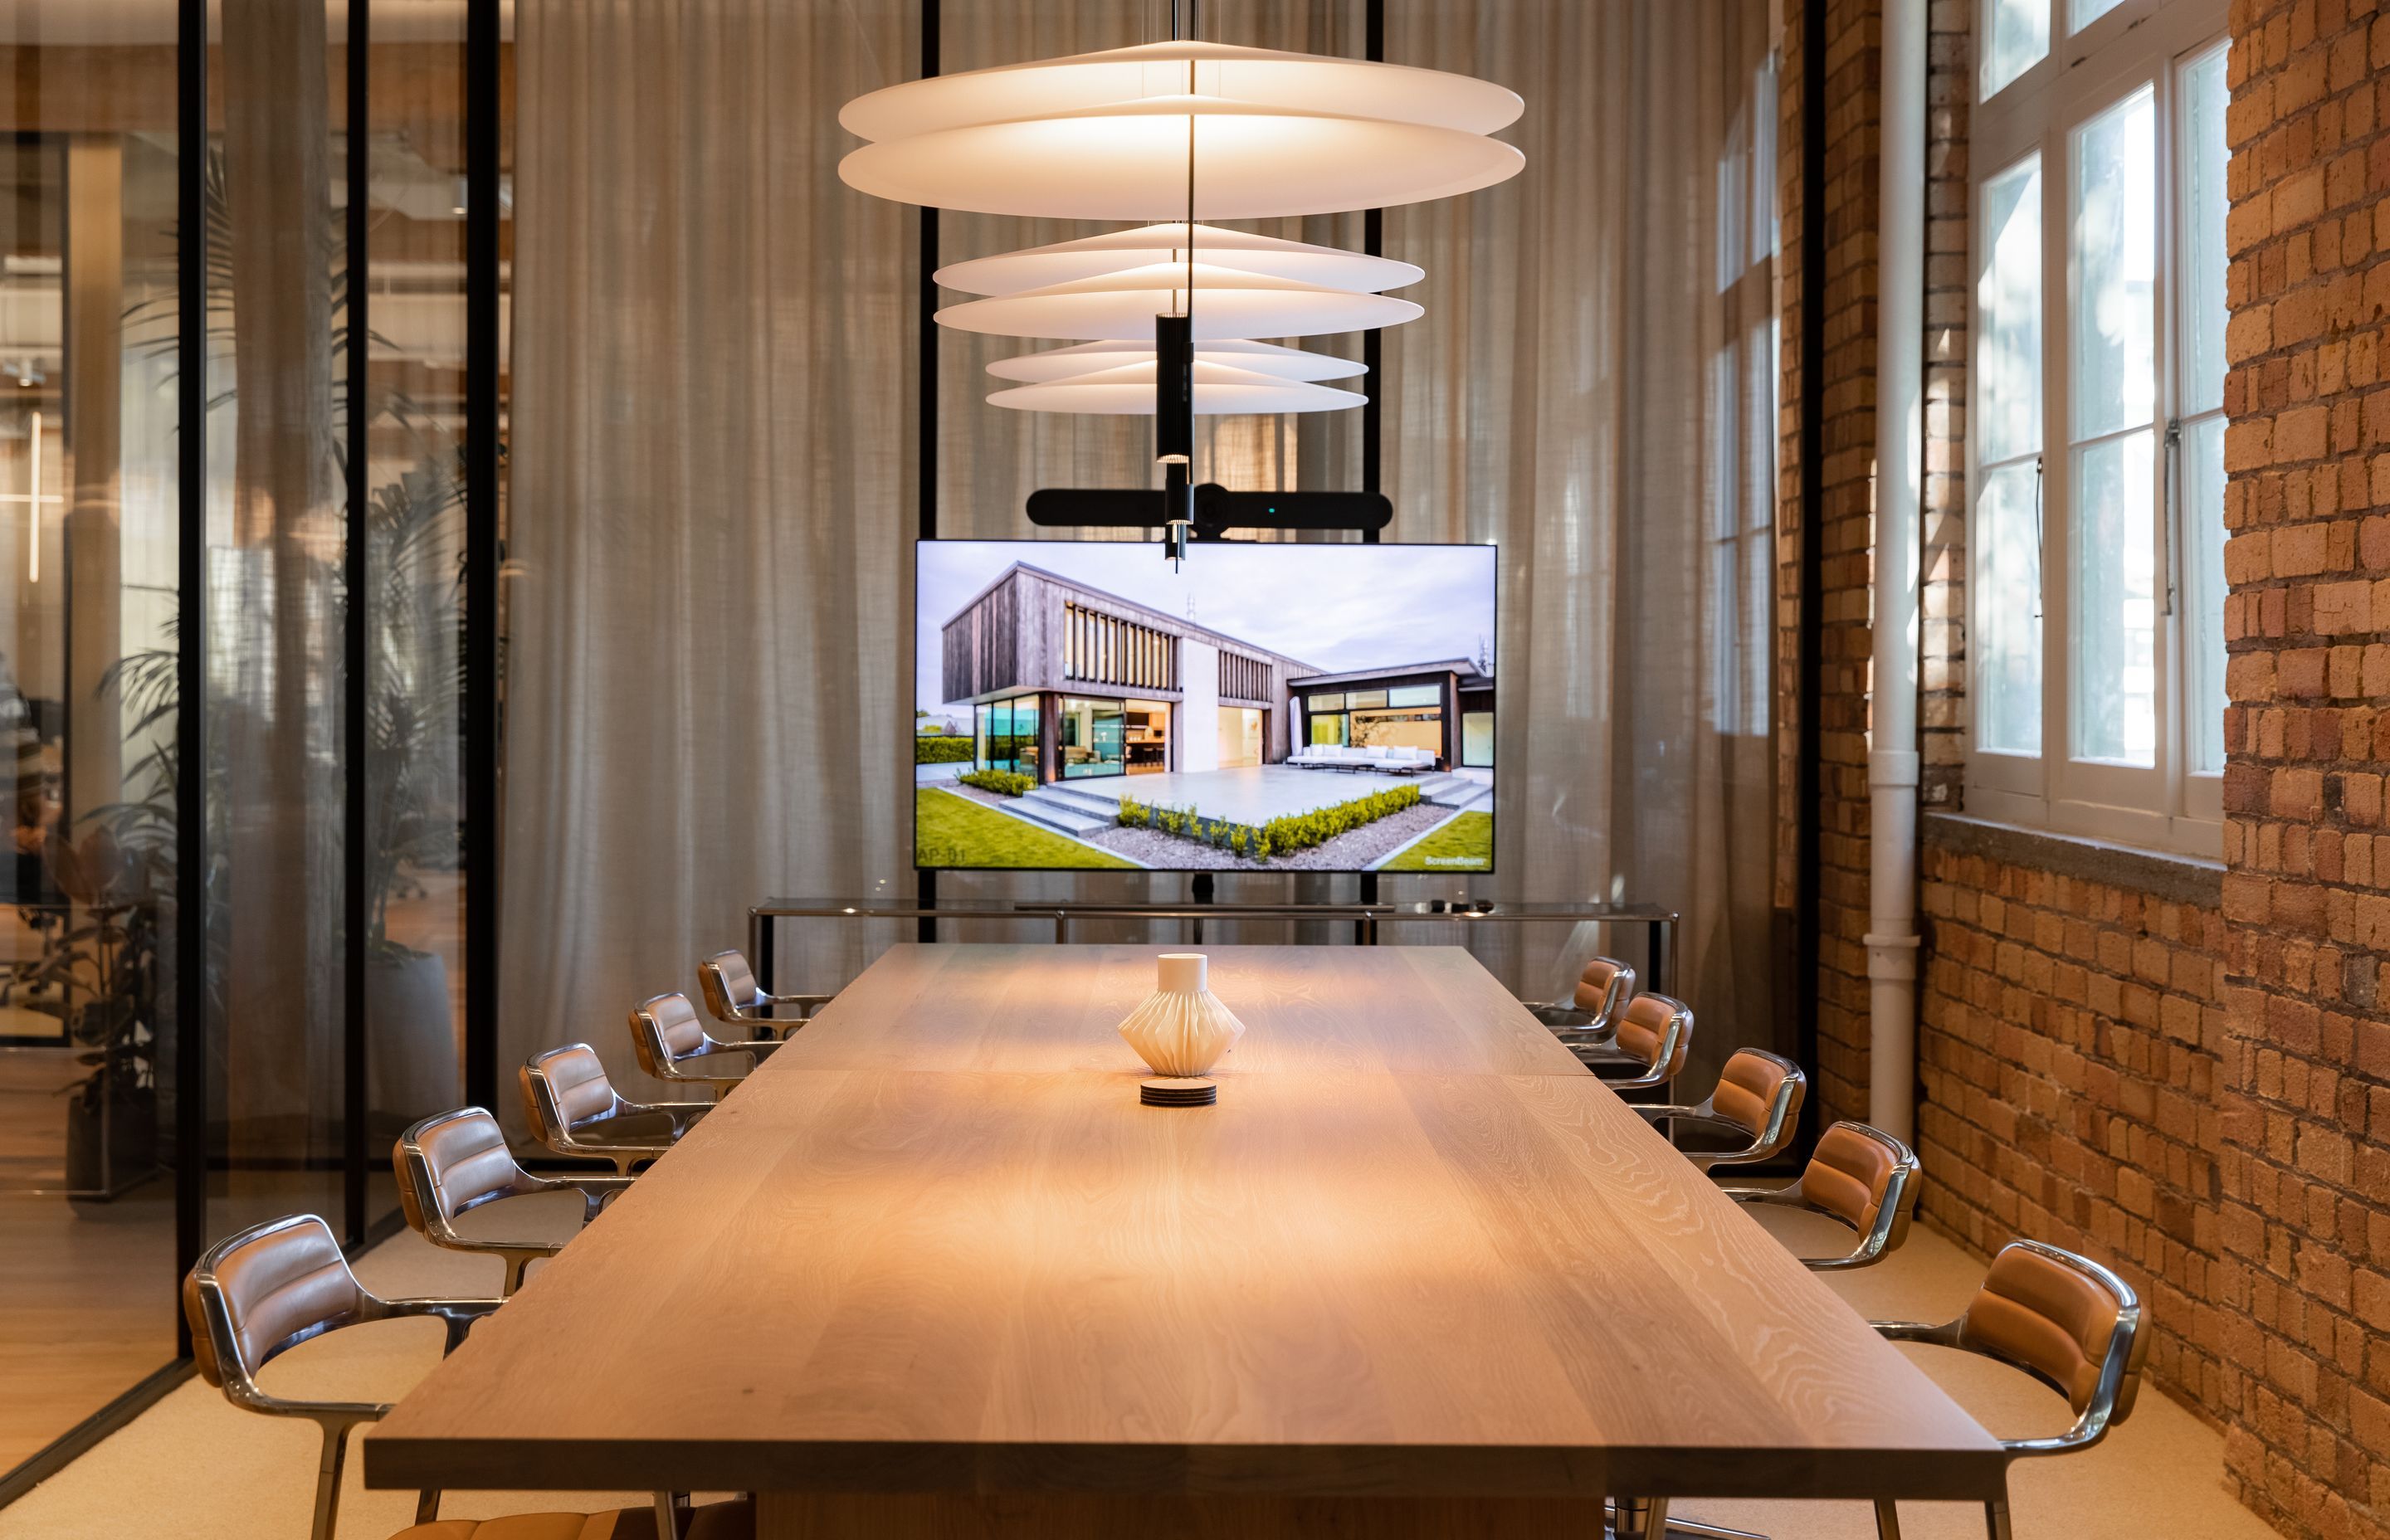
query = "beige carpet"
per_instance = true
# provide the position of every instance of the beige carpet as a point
(194, 1467)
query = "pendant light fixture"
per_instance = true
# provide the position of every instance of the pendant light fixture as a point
(1086, 358)
(1226, 305)
(1109, 136)
(1097, 256)
(1220, 390)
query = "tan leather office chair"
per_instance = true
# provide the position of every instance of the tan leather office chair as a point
(735, 999)
(1647, 1047)
(575, 1110)
(1859, 1176)
(455, 1161)
(1590, 1014)
(1757, 1100)
(2065, 1319)
(673, 1045)
(273, 1286)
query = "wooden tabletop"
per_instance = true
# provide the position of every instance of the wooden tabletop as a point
(1373, 1267)
(1041, 1009)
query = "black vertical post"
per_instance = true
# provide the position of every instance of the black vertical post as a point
(352, 713)
(925, 880)
(482, 555)
(1809, 746)
(191, 651)
(1373, 358)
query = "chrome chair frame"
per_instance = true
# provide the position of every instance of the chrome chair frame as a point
(1893, 1215)
(337, 1420)
(2119, 1365)
(754, 1013)
(1572, 1024)
(417, 1177)
(566, 1137)
(1775, 1132)
(1661, 1071)
(657, 1057)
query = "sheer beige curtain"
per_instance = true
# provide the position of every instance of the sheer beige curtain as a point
(713, 493)
(713, 462)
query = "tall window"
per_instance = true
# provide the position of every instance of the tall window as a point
(2096, 644)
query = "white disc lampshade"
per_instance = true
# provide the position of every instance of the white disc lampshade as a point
(1267, 359)
(1220, 390)
(1114, 135)
(1240, 250)
(1226, 304)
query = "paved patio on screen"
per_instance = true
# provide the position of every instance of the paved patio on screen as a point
(1251, 795)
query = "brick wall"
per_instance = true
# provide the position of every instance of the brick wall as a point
(1846, 289)
(2195, 1088)
(2071, 1045)
(2306, 1169)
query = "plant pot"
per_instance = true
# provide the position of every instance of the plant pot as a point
(111, 1137)
(410, 1040)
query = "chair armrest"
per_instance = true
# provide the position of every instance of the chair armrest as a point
(458, 1316)
(1945, 1335)
(812, 1001)
(1687, 1114)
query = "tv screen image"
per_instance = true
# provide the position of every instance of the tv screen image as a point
(1079, 705)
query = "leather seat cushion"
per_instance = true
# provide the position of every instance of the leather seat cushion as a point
(2047, 1314)
(1847, 1175)
(1746, 1087)
(732, 1520)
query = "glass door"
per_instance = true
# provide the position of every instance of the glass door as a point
(1094, 738)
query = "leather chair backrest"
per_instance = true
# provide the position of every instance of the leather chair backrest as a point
(667, 1023)
(1850, 1173)
(2055, 1318)
(464, 1160)
(728, 984)
(1643, 1030)
(576, 1078)
(1600, 980)
(1747, 1087)
(281, 1283)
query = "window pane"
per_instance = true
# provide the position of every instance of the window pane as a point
(2115, 603)
(2010, 296)
(2203, 569)
(2020, 37)
(2204, 313)
(2115, 256)
(1416, 695)
(2008, 612)
(2082, 13)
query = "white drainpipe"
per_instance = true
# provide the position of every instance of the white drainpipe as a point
(1900, 438)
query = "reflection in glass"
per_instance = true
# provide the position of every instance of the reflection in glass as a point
(2082, 13)
(2019, 40)
(2200, 518)
(2008, 357)
(2205, 313)
(1092, 738)
(414, 600)
(2116, 602)
(2115, 256)
(2203, 560)
(89, 546)
(277, 335)
(2007, 672)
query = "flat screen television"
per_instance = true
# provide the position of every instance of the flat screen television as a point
(1079, 705)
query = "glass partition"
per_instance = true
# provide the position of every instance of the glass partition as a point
(89, 551)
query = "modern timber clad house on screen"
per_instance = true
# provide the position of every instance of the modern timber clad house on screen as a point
(1067, 682)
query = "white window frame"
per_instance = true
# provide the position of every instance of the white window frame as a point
(2165, 805)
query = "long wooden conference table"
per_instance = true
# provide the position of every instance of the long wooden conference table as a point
(933, 1270)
